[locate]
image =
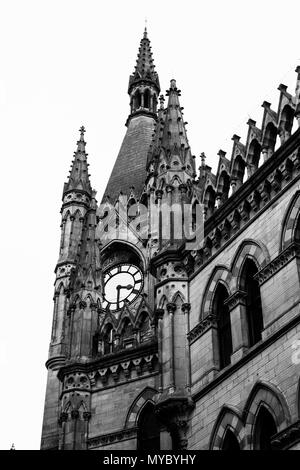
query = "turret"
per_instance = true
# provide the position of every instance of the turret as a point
(144, 85)
(77, 275)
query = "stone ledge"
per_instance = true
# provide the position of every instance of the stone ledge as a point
(208, 322)
(112, 437)
(278, 263)
(288, 437)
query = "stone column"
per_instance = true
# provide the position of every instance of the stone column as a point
(239, 327)
(186, 307)
(171, 307)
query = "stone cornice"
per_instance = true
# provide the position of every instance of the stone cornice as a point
(273, 178)
(279, 262)
(110, 361)
(104, 439)
(141, 112)
(272, 164)
(55, 363)
(288, 437)
(208, 322)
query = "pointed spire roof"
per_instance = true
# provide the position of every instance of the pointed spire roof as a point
(174, 134)
(79, 177)
(145, 68)
(170, 137)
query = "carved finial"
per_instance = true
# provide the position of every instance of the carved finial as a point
(162, 101)
(145, 30)
(82, 131)
(203, 157)
(173, 84)
(13, 447)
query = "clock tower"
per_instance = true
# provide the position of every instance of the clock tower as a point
(165, 335)
(118, 363)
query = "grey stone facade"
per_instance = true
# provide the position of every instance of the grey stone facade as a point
(203, 351)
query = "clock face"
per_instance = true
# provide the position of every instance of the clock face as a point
(122, 283)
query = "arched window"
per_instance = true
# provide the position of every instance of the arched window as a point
(147, 99)
(108, 340)
(253, 157)
(194, 216)
(148, 437)
(270, 136)
(230, 442)
(138, 100)
(238, 171)
(222, 314)
(223, 185)
(127, 336)
(154, 104)
(132, 209)
(265, 428)
(286, 119)
(253, 302)
(209, 201)
(145, 328)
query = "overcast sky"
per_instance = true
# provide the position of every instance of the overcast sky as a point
(64, 64)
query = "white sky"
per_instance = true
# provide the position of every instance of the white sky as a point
(67, 63)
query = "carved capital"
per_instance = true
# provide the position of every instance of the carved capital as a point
(186, 307)
(158, 315)
(183, 187)
(171, 307)
(210, 321)
(173, 411)
(159, 193)
(87, 415)
(63, 418)
(169, 188)
(74, 414)
(239, 297)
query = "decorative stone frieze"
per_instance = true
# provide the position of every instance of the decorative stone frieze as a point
(235, 299)
(208, 322)
(279, 262)
(117, 436)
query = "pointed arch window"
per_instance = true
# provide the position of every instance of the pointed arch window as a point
(253, 157)
(223, 186)
(148, 437)
(137, 100)
(132, 209)
(238, 172)
(147, 99)
(265, 428)
(230, 441)
(253, 302)
(222, 313)
(209, 201)
(194, 216)
(127, 335)
(108, 340)
(145, 331)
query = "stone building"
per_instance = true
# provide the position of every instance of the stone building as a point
(161, 342)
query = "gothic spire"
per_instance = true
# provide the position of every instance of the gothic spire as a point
(174, 133)
(144, 70)
(79, 177)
